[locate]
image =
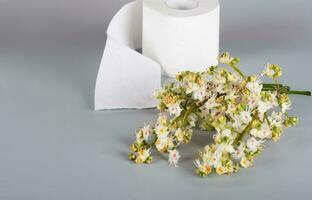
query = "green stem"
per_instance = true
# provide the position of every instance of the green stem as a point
(267, 119)
(306, 93)
(267, 86)
(271, 85)
(287, 91)
(185, 114)
(237, 70)
(277, 86)
(242, 135)
(198, 116)
(185, 117)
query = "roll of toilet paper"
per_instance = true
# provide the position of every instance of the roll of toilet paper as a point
(181, 34)
(126, 78)
(177, 35)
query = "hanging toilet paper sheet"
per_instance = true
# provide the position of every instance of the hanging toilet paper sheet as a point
(175, 35)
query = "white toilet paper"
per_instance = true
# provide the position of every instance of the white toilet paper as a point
(181, 34)
(178, 34)
(126, 79)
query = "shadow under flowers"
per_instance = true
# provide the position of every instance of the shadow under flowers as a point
(189, 152)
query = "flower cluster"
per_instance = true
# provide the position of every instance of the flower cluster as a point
(240, 111)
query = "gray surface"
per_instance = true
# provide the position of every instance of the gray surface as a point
(53, 146)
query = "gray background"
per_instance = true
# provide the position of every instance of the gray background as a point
(54, 146)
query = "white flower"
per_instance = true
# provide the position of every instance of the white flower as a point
(143, 134)
(231, 95)
(200, 93)
(264, 106)
(264, 132)
(254, 144)
(162, 141)
(219, 79)
(221, 134)
(144, 154)
(225, 148)
(227, 133)
(269, 71)
(215, 158)
(211, 103)
(163, 136)
(174, 157)
(146, 132)
(192, 120)
(245, 162)
(220, 88)
(207, 155)
(286, 106)
(234, 78)
(253, 100)
(276, 119)
(272, 71)
(180, 135)
(225, 58)
(191, 87)
(239, 152)
(230, 108)
(254, 87)
(197, 163)
(237, 121)
(175, 109)
(245, 116)
(161, 129)
(139, 138)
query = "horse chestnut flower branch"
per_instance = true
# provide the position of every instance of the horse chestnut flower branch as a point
(240, 111)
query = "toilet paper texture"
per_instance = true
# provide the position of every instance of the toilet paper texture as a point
(181, 39)
(173, 40)
(126, 78)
